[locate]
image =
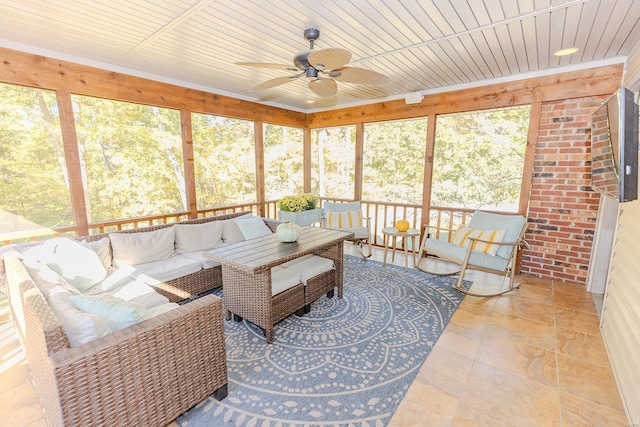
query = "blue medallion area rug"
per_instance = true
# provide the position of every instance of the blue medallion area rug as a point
(349, 362)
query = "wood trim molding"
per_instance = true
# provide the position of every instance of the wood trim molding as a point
(187, 160)
(258, 136)
(428, 168)
(529, 157)
(72, 161)
(26, 69)
(306, 159)
(359, 159)
(582, 83)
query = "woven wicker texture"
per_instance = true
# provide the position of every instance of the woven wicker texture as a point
(146, 374)
(186, 286)
(323, 283)
(246, 274)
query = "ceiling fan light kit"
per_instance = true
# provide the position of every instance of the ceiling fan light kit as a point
(323, 67)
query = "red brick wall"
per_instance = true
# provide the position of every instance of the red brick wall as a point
(562, 207)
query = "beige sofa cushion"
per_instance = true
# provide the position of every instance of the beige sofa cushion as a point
(156, 272)
(198, 237)
(102, 248)
(143, 247)
(132, 291)
(204, 261)
(230, 231)
(282, 279)
(309, 266)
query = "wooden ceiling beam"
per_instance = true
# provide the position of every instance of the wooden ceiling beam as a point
(589, 82)
(26, 69)
(47, 73)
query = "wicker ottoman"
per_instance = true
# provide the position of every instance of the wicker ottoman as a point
(318, 275)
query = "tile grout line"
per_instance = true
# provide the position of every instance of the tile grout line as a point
(555, 346)
(473, 365)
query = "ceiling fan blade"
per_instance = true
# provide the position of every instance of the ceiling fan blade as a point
(265, 65)
(359, 75)
(330, 58)
(323, 87)
(275, 82)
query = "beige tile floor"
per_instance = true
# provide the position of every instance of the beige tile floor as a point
(534, 357)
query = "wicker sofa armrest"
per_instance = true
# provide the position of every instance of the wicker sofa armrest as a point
(147, 374)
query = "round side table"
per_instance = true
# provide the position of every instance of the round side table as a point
(393, 233)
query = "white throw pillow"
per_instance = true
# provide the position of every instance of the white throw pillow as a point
(101, 247)
(253, 227)
(230, 231)
(143, 247)
(117, 314)
(198, 237)
(46, 279)
(79, 265)
(80, 327)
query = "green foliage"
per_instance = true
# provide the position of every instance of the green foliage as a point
(393, 168)
(302, 202)
(479, 159)
(132, 156)
(132, 161)
(34, 192)
(332, 161)
(283, 161)
(224, 160)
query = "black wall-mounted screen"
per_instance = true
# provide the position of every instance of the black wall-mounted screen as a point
(614, 147)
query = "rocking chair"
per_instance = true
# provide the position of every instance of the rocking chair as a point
(348, 217)
(489, 243)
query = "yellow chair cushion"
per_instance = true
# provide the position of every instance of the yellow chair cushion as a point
(462, 235)
(349, 219)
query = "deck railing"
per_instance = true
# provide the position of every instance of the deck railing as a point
(442, 221)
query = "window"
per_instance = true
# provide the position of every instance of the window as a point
(479, 159)
(393, 169)
(283, 164)
(34, 188)
(332, 162)
(224, 160)
(132, 157)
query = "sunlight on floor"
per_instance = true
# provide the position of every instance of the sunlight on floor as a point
(541, 341)
(10, 350)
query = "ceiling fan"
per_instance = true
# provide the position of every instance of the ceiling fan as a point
(322, 68)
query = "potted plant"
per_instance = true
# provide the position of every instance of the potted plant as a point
(301, 209)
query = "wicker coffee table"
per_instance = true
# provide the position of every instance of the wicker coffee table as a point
(246, 274)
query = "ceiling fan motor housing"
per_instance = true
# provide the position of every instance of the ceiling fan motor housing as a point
(301, 60)
(321, 67)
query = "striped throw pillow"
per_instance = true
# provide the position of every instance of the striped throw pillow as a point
(350, 219)
(462, 235)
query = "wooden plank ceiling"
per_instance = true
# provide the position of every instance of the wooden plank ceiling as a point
(421, 45)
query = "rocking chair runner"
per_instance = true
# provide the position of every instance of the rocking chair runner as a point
(348, 217)
(489, 243)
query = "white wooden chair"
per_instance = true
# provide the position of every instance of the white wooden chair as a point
(348, 217)
(489, 243)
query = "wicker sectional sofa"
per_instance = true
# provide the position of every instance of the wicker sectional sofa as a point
(145, 374)
(206, 276)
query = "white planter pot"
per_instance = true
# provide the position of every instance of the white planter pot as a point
(301, 218)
